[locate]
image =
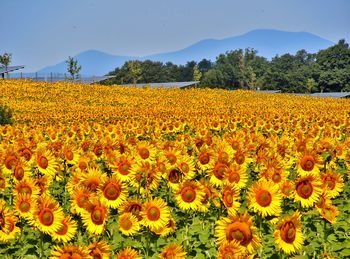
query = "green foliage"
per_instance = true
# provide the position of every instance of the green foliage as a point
(5, 115)
(197, 75)
(5, 59)
(73, 68)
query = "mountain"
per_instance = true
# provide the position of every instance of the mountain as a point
(269, 43)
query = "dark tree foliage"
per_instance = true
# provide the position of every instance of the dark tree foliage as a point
(327, 70)
(5, 115)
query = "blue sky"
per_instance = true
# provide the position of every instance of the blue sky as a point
(44, 32)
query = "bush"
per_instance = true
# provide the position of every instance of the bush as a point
(5, 115)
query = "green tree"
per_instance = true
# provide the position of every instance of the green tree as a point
(73, 68)
(135, 71)
(310, 85)
(5, 60)
(197, 75)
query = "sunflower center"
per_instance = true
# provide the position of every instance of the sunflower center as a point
(204, 158)
(46, 217)
(10, 161)
(69, 155)
(330, 182)
(234, 177)
(263, 198)
(82, 165)
(276, 177)
(304, 189)
(63, 229)
(97, 216)
(239, 231)
(112, 191)
(92, 183)
(240, 158)
(174, 176)
(153, 213)
(223, 157)
(126, 223)
(24, 206)
(188, 194)
(27, 154)
(288, 232)
(184, 168)
(228, 198)
(82, 200)
(171, 158)
(124, 168)
(144, 153)
(43, 162)
(220, 171)
(25, 190)
(19, 172)
(307, 163)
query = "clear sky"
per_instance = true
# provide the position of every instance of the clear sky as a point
(39, 33)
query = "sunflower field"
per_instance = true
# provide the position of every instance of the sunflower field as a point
(89, 171)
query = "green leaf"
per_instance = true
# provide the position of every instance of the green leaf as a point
(345, 252)
(332, 238)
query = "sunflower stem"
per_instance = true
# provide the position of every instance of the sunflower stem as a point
(41, 245)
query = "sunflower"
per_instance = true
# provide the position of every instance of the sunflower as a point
(128, 224)
(206, 159)
(48, 215)
(169, 228)
(112, 192)
(239, 228)
(132, 206)
(230, 196)
(264, 198)
(145, 152)
(189, 196)
(93, 179)
(287, 189)
(95, 217)
(174, 178)
(332, 183)
(21, 170)
(67, 230)
(26, 186)
(329, 212)
(231, 250)
(11, 231)
(46, 162)
(186, 166)
(288, 234)
(307, 163)
(71, 155)
(25, 205)
(218, 174)
(155, 214)
(69, 251)
(172, 155)
(99, 250)
(308, 189)
(172, 251)
(80, 200)
(3, 181)
(10, 160)
(242, 158)
(237, 175)
(123, 167)
(128, 253)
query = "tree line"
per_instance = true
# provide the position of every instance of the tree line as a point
(325, 71)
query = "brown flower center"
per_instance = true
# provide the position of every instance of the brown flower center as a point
(188, 194)
(24, 206)
(263, 198)
(98, 215)
(220, 171)
(43, 162)
(153, 213)
(144, 153)
(46, 217)
(307, 163)
(239, 231)
(288, 232)
(112, 191)
(304, 189)
(204, 158)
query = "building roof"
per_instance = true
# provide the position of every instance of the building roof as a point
(10, 69)
(83, 80)
(165, 85)
(332, 94)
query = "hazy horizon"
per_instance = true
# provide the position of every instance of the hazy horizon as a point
(42, 33)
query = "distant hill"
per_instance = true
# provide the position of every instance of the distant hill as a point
(269, 43)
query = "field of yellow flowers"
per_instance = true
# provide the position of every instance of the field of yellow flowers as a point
(90, 171)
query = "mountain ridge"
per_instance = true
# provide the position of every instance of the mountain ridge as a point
(267, 42)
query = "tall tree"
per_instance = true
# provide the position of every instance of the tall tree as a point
(135, 71)
(73, 68)
(5, 60)
(197, 75)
